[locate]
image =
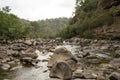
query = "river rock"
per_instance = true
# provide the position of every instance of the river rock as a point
(72, 64)
(5, 66)
(17, 46)
(89, 74)
(16, 67)
(78, 73)
(61, 54)
(6, 79)
(29, 60)
(84, 74)
(28, 42)
(84, 79)
(61, 70)
(114, 76)
(75, 40)
(12, 62)
(7, 59)
(13, 53)
(3, 54)
(117, 54)
(33, 55)
(115, 63)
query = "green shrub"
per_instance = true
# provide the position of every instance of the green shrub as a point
(87, 34)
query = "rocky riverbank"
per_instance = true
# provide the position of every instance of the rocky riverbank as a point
(89, 60)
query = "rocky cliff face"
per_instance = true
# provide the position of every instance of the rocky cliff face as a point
(106, 4)
(111, 31)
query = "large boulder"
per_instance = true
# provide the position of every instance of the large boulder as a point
(114, 76)
(61, 54)
(61, 70)
(62, 64)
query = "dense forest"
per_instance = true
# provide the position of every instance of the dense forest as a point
(12, 27)
(93, 19)
(49, 28)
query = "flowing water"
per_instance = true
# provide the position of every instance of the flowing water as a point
(32, 73)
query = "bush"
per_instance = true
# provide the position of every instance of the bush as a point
(11, 26)
(87, 34)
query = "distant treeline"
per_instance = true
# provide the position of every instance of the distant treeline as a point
(13, 27)
(49, 28)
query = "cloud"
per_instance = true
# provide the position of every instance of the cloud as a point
(40, 9)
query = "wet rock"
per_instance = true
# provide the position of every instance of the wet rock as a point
(29, 60)
(86, 54)
(34, 43)
(115, 63)
(61, 70)
(51, 50)
(7, 59)
(78, 73)
(85, 74)
(45, 71)
(79, 55)
(5, 66)
(16, 67)
(117, 54)
(28, 42)
(75, 40)
(72, 64)
(17, 46)
(103, 56)
(33, 55)
(93, 61)
(114, 76)
(91, 56)
(45, 60)
(3, 55)
(53, 79)
(13, 53)
(104, 47)
(59, 39)
(61, 54)
(6, 79)
(89, 74)
(96, 58)
(12, 62)
(84, 79)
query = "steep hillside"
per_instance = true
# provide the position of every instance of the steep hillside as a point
(95, 19)
(110, 31)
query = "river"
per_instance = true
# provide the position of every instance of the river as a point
(33, 73)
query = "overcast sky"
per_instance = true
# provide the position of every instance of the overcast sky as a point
(40, 9)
